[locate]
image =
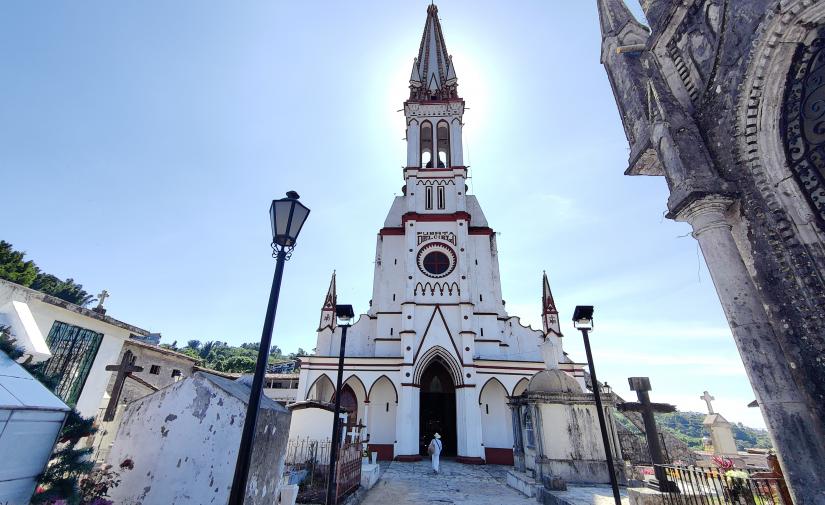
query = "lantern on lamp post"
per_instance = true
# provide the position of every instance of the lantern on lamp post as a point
(345, 314)
(288, 216)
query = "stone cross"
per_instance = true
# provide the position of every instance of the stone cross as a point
(102, 298)
(707, 399)
(642, 385)
(124, 369)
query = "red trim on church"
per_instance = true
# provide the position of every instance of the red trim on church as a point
(480, 230)
(415, 216)
(495, 456)
(408, 458)
(391, 231)
(468, 460)
(385, 451)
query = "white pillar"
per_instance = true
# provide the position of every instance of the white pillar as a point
(783, 408)
(468, 418)
(457, 153)
(366, 420)
(406, 421)
(413, 144)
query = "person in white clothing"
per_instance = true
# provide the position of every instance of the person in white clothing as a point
(435, 450)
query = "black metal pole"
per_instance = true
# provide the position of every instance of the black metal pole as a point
(238, 492)
(336, 422)
(602, 424)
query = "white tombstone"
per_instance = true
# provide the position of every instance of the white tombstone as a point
(183, 440)
(721, 434)
(30, 421)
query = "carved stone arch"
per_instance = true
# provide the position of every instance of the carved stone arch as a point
(315, 382)
(391, 384)
(520, 387)
(412, 122)
(769, 155)
(447, 359)
(360, 384)
(761, 102)
(456, 120)
(491, 380)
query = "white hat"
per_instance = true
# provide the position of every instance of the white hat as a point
(437, 435)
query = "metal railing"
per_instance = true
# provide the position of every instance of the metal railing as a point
(712, 486)
(307, 464)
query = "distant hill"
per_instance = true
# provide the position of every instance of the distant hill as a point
(687, 426)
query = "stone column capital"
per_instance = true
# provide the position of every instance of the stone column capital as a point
(706, 213)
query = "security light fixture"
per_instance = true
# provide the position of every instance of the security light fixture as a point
(583, 317)
(344, 313)
(288, 216)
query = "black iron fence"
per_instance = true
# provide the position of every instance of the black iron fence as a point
(348, 469)
(307, 464)
(705, 486)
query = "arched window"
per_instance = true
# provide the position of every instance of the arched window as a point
(426, 144)
(443, 144)
(527, 419)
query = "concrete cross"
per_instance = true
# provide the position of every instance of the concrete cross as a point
(707, 399)
(124, 369)
(102, 298)
(642, 385)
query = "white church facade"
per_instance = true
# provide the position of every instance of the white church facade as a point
(436, 351)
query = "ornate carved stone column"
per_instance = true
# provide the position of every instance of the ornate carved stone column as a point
(801, 450)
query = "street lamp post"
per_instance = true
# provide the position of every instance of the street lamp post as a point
(583, 321)
(345, 314)
(288, 216)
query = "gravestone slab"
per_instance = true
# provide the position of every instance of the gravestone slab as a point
(182, 444)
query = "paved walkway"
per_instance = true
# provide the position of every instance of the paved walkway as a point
(414, 483)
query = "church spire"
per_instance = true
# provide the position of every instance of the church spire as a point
(328, 310)
(549, 313)
(433, 74)
(613, 16)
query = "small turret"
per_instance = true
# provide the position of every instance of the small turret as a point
(328, 310)
(549, 313)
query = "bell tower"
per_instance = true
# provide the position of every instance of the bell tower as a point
(434, 115)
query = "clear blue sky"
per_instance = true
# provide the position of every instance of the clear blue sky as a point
(142, 142)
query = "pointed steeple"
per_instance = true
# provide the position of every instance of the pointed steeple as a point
(614, 16)
(549, 313)
(433, 76)
(328, 310)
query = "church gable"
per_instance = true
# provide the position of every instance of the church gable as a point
(437, 333)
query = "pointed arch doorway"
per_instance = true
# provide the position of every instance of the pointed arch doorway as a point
(437, 408)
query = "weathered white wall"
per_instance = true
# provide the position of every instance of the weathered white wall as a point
(312, 423)
(383, 404)
(183, 441)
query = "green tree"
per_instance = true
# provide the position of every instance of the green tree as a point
(275, 351)
(13, 268)
(194, 344)
(67, 290)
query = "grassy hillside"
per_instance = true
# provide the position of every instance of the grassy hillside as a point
(687, 426)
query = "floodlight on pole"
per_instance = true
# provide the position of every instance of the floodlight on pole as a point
(583, 321)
